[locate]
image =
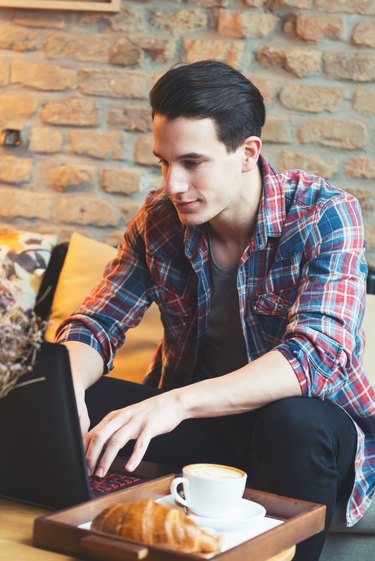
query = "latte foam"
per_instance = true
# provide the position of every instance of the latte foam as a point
(213, 471)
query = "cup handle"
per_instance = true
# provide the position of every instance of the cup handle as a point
(174, 490)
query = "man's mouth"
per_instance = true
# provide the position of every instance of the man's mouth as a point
(185, 205)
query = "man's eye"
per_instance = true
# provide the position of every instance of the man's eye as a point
(163, 162)
(191, 163)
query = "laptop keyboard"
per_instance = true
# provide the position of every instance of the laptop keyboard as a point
(111, 482)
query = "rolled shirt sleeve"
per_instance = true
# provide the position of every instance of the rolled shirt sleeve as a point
(323, 338)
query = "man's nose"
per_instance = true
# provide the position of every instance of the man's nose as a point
(175, 181)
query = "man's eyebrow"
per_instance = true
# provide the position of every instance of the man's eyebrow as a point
(188, 156)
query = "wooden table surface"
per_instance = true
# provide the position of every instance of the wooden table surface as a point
(16, 530)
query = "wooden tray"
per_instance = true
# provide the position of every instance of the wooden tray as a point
(60, 530)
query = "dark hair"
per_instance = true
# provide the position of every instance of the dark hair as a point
(211, 89)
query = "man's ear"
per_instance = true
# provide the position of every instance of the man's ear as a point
(251, 150)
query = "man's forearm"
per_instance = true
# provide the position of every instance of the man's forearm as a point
(266, 379)
(86, 363)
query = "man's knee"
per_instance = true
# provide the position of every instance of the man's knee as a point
(294, 425)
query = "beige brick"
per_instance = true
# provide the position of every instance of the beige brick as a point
(4, 73)
(16, 39)
(314, 28)
(128, 20)
(16, 109)
(211, 3)
(68, 177)
(82, 47)
(86, 210)
(74, 112)
(229, 51)
(42, 20)
(363, 34)
(276, 130)
(45, 140)
(359, 166)
(104, 145)
(303, 4)
(267, 86)
(256, 3)
(363, 7)
(131, 118)
(308, 162)
(300, 62)
(357, 66)
(42, 76)
(18, 105)
(125, 52)
(95, 22)
(18, 203)
(161, 49)
(15, 170)
(113, 83)
(179, 22)
(125, 181)
(312, 99)
(246, 24)
(364, 101)
(344, 133)
(143, 148)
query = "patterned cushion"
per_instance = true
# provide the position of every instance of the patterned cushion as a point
(24, 257)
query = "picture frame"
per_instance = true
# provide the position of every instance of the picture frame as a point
(64, 5)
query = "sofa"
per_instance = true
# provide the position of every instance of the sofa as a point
(73, 270)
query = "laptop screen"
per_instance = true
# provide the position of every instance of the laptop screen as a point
(42, 459)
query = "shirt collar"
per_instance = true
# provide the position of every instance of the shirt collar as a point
(271, 214)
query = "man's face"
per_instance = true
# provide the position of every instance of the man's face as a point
(201, 178)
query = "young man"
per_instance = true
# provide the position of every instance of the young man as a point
(260, 281)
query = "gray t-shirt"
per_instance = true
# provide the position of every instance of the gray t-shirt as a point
(223, 349)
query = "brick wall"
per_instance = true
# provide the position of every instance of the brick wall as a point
(76, 85)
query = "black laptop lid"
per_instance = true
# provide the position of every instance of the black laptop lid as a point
(42, 459)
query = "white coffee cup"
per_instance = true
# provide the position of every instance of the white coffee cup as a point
(210, 490)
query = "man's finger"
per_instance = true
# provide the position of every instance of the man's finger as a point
(139, 451)
(99, 436)
(114, 444)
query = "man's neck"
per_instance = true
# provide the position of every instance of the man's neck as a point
(229, 236)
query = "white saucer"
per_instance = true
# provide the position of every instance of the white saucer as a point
(245, 514)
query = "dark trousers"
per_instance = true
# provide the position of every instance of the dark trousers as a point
(298, 447)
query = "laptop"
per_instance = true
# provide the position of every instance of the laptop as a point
(42, 459)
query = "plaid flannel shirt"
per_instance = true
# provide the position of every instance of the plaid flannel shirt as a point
(301, 288)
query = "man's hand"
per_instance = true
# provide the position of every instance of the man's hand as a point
(142, 422)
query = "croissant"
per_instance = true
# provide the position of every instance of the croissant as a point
(155, 524)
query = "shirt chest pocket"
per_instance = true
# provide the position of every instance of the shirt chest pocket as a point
(271, 304)
(269, 315)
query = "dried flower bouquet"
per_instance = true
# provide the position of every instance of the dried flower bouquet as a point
(21, 335)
